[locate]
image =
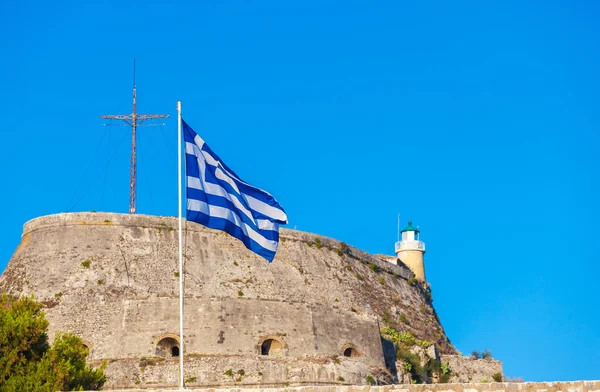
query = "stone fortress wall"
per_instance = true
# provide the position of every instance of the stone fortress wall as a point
(570, 386)
(312, 316)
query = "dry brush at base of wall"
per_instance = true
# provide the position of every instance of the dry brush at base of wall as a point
(569, 386)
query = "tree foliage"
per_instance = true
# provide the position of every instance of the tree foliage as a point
(29, 363)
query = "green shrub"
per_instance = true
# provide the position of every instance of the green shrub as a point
(100, 282)
(374, 267)
(235, 263)
(407, 338)
(229, 372)
(29, 363)
(445, 367)
(412, 281)
(386, 317)
(86, 263)
(476, 354)
(404, 338)
(341, 379)
(240, 293)
(486, 354)
(359, 277)
(424, 343)
(318, 243)
(442, 370)
(444, 378)
(497, 377)
(370, 380)
(403, 318)
(412, 364)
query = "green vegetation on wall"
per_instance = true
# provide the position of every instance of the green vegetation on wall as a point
(411, 362)
(29, 363)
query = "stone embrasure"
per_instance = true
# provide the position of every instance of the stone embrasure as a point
(113, 280)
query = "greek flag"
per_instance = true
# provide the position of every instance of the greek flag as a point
(219, 199)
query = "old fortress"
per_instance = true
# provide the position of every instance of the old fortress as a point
(314, 316)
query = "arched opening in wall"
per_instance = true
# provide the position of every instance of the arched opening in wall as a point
(272, 346)
(167, 347)
(88, 346)
(350, 351)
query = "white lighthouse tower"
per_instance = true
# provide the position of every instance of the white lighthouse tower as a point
(410, 251)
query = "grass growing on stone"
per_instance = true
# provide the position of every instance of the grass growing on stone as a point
(318, 243)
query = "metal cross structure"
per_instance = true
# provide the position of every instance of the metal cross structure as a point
(134, 120)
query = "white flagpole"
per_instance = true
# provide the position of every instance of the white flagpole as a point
(181, 383)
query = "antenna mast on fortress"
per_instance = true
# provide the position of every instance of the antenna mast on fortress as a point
(134, 120)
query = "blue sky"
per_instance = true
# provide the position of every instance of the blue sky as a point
(476, 120)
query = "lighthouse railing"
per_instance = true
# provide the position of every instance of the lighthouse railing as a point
(410, 245)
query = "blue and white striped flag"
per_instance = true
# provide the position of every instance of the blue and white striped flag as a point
(219, 199)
